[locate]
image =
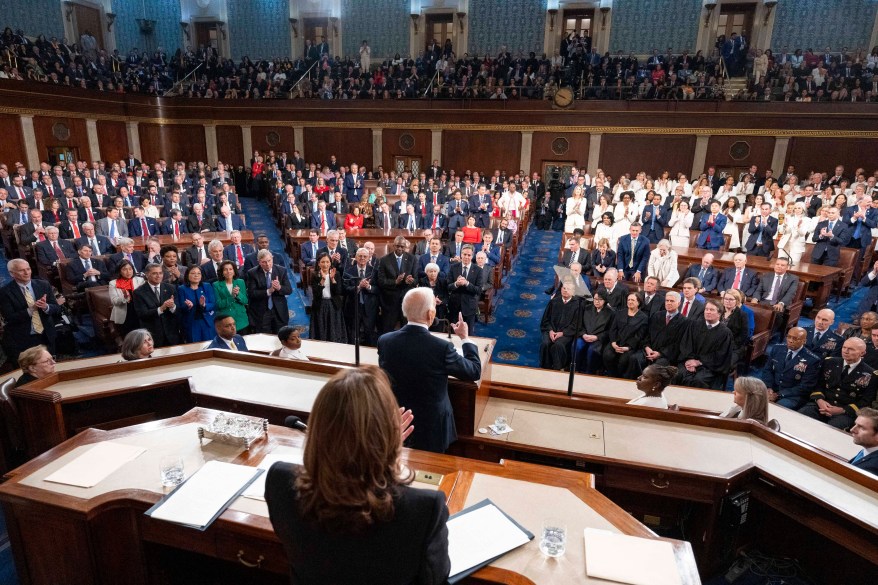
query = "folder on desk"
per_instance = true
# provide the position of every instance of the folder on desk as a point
(479, 535)
(200, 500)
(629, 559)
(95, 464)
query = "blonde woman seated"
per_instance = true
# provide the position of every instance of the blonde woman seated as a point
(750, 401)
(652, 382)
(663, 264)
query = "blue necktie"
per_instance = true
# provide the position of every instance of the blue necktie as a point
(857, 230)
(859, 457)
(652, 224)
(268, 287)
(398, 265)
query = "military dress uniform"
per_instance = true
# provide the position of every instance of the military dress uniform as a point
(852, 392)
(829, 344)
(792, 379)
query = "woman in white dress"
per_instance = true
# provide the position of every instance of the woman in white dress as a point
(752, 210)
(576, 208)
(745, 187)
(623, 185)
(680, 222)
(767, 186)
(626, 213)
(663, 184)
(822, 215)
(365, 57)
(732, 211)
(652, 382)
(606, 230)
(794, 233)
(604, 206)
(641, 196)
(684, 180)
(663, 264)
(726, 190)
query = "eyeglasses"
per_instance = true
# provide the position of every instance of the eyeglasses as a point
(48, 360)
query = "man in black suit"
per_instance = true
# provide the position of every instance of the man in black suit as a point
(666, 329)
(692, 306)
(419, 364)
(653, 296)
(267, 289)
(250, 260)
(126, 252)
(29, 309)
(359, 286)
(84, 272)
(337, 254)
(829, 236)
(738, 277)
(154, 303)
(457, 213)
(48, 250)
(503, 235)
(777, 289)
(198, 220)
(865, 434)
(33, 230)
(613, 290)
(762, 229)
(821, 339)
(454, 247)
(386, 219)
(237, 251)
(465, 288)
(410, 220)
(396, 275)
(705, 273)
(100, 245)
(811, 201)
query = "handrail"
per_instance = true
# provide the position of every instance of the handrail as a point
(430, 85)
(179, 85)
(724, 70)
(298, 81)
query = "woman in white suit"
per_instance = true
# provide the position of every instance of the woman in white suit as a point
(794, 233)
(576, 208)
(626, 213)
(121, 292)
(680, 222)
(663, 264)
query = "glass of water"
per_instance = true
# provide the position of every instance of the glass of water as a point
(553, 540)
(501, 423)
(171, 469)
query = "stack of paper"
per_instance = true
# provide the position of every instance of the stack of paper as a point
(96, 463)
(479, 535)
(256, 491)
(198, 501)
(629, 559)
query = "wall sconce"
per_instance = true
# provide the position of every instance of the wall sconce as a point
(604, 11)
(460, 17)
(709, 7)
(293, 23)
(769, 7)
(111, 18)
(552, 13)
(221, 27)
(415, 18)
(334, 21)
(185, 27)
(68, 11)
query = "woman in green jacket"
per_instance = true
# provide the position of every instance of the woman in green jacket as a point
(231, 295)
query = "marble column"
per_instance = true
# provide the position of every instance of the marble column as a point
(435, 146)
(527, 142)
(30, 142)
(779, 158)
(700, 156)
(94, 145)
(210, 142)
(377, 147)
(133, 131)
(594, 153)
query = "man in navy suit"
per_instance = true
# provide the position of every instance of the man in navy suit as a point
(308, 250)
(738, 277)
(457, 213)
(465, 287)
(762, 229)
(47, 250)
(141, 226)
(481, 206)
(227, 334)
(704, 272)
(84, 271)
(237, 251)
(175, 225)
(360, 288)
(435, 220)
(226, 221)
(434, 255)
(419, 364)
(654, 220)
(632, 255)
(712, 225)
(865, 434)
(20, 300)
(267, 289)
(323, 220)
(868, 302)
(829, 236)
(396, 275)
(791, 370)
(353, 184)
(410, 220)
(386, 219)
(860, 219)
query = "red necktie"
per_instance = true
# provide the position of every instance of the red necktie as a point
(51, 193)
(91, 216)
(69, 203)
(58, 251)
(435, 219)
(144, 227)
(20, 193)
(75, 229)
(42, 237)
(240, 256)
(686, 309)
(177, 229)
(737, 283)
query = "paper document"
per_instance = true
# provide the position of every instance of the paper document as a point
(629, 559)
(480, 535)
(96, 463)
(256, 490)
(206, 494)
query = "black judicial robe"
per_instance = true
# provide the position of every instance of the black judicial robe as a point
(712, 347)
(558, 316)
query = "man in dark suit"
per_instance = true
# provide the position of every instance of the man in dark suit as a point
(791, 370)
(847, 385)
(503, 235)
(396, 275)
(386, 219)
(481, 206)
(860, 219)
(434, 255)
(308, 250)
(829, 236)
(29, 310)
(70, 228)
(267, 289)
(810, 200)
(85, 272)
(323, 220)
(126, 252)
(613, 290)
(33, 230)
(250, 260)
(419, 364)
(237, 251)
(777, 289)
(653, 296)
(705, 273)
(632, 255)
(48, 250)
(666, 329)
(711, 225)
(762, 229)
(198, 221)
(573, 254)
(692, 307)
(227, 221)
(654, 220)
(410, 220)
(821, 339)
(869, 281)
(360, 289)
(739, 277)
(155, 306)
(100, 245)
(705, 350)
(865, 434)
(457, 213)
(227, 334)
(435, 220)
(464, 288)
(140, 226)
(353, 184)
(454, 247)
(175, 225)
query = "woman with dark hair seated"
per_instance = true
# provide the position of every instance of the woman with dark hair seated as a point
(348, 514)
(596, 321)
(291, 344)
(652, 382)
(627, 335)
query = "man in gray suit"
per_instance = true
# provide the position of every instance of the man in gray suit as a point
(112, 226)
(777, 289)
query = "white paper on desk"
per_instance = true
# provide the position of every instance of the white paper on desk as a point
(629, 559)
(480, 535)
(95, 464)
(207, 492)
(256, 490)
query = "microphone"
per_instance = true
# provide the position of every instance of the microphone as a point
(294, 422)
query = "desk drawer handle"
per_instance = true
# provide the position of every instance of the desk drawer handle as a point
(660, 484)
(256, 565)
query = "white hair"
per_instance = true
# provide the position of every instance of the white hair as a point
(417, 303)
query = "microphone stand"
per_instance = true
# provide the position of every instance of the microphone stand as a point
(576, 319)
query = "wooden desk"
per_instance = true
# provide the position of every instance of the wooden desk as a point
(99, 535)
(381, 238)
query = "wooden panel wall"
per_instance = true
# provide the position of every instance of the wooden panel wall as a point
(481, 151)
(230, 146)
(542, 149)
(348, 145)
(390, 147)
(113, 138)
(263, 136)
(43, 131)
(626, 153)
(761, 152)
(822, 154)
(12, 146)
(173, 142)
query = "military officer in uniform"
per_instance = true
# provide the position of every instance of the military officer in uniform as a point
(791, 370)
(848, 384)
(821, 340)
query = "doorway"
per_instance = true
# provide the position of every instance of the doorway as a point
(88, 18)
(736, 18)
(407, 163)
(61, 155)
(560, 167)
(439, 27)
(316, 30)
(578, 21)
(207, 35)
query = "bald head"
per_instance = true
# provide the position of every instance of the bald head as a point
(419, 305)
(824, 320)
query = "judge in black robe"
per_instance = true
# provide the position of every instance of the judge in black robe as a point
(663, 336)
(708, 347)
(558, 318)
(596, 321)
(628, 333)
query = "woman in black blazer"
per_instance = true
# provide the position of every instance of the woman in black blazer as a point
(440, 291)
(348, 515)
(733, 317)
(297, 220)
(602, 258)
(597, 319)
(627, 335)
(327, 316)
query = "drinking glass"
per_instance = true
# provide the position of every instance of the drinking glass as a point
(171, 470)
(553, 539)
(501, 423)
